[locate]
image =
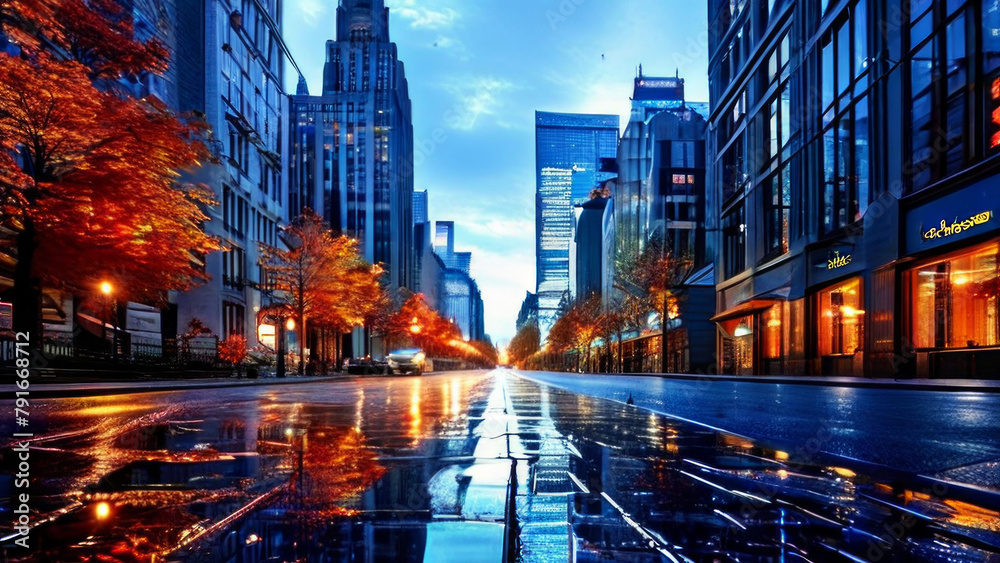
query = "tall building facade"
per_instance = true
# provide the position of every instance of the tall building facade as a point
(230, 62)
(856, 168)
(462, 300)
(569, 149)
(420, 207)
(352, 146)
(661, 170)
(594, 241)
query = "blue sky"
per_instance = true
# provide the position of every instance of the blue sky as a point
(477, 71)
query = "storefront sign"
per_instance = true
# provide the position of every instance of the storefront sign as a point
(946, 219)
(956, 226)
(837, 261)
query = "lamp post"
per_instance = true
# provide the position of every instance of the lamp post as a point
(106, 289)
(283, 324)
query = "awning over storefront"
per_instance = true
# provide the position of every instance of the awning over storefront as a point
(744, 309)
(754, 305)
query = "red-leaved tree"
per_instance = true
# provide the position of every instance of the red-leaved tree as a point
(91, 179)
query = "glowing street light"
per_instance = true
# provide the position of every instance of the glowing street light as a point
(107, 289)
(102, 510)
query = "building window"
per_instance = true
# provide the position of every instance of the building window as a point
(773, 343)
(954, 302)
(938, 80)
(735, 167)
(737, 345)
(734, 241)
(682, 154)
(846, 190)
(233, 319)
(841, 319)
(234, 267)
(777, 210)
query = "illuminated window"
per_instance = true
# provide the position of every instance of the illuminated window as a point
(771, 323)
(737, 345)
(953, 302)
(841, 319)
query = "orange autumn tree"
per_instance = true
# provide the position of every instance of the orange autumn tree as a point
(417, 322)
(320, 278)
(579, 327)
(90, 178)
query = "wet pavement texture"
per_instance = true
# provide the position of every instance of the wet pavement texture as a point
(463, 467)
(953, 435)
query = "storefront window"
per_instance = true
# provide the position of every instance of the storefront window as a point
(737, 346)
(954, 301)
(773, 341)
(841, 319)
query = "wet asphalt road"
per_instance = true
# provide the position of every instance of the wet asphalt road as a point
(947, 433)
(417, 469)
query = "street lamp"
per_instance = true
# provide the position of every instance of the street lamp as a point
(102, 510)
(107, 289)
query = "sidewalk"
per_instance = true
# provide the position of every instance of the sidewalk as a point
(958, 385)
(124, 387)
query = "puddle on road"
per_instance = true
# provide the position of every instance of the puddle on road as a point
(417, 470)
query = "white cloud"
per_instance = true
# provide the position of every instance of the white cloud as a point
(497, 226)
(476, 97)
(311, 10)
(422, 16)
(511, 274)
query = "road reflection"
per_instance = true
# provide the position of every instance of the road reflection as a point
(417, 469)
(260, 473)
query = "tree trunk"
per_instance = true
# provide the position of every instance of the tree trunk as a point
(26, 295)
(621, 359)
(302, 338)
(663, 336)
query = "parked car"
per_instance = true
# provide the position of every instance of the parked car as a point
(365, 366)
(410, 360)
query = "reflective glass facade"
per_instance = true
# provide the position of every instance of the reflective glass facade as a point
(661, 170)
(853, 148)
(568, 153)
(352, 147)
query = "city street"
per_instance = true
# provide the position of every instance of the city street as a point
(417, 469)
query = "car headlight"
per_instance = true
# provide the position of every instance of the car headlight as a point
(393, 363)
(418, 358)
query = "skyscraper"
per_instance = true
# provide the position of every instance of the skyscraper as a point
(568, 153)
(661, 166)
(420, 207)
(352, 146)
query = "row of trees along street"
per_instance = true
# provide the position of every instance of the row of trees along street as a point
(95, 184)
(648, 281)
(322, 281)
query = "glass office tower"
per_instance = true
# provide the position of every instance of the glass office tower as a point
(352, 146)
(568, 153)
